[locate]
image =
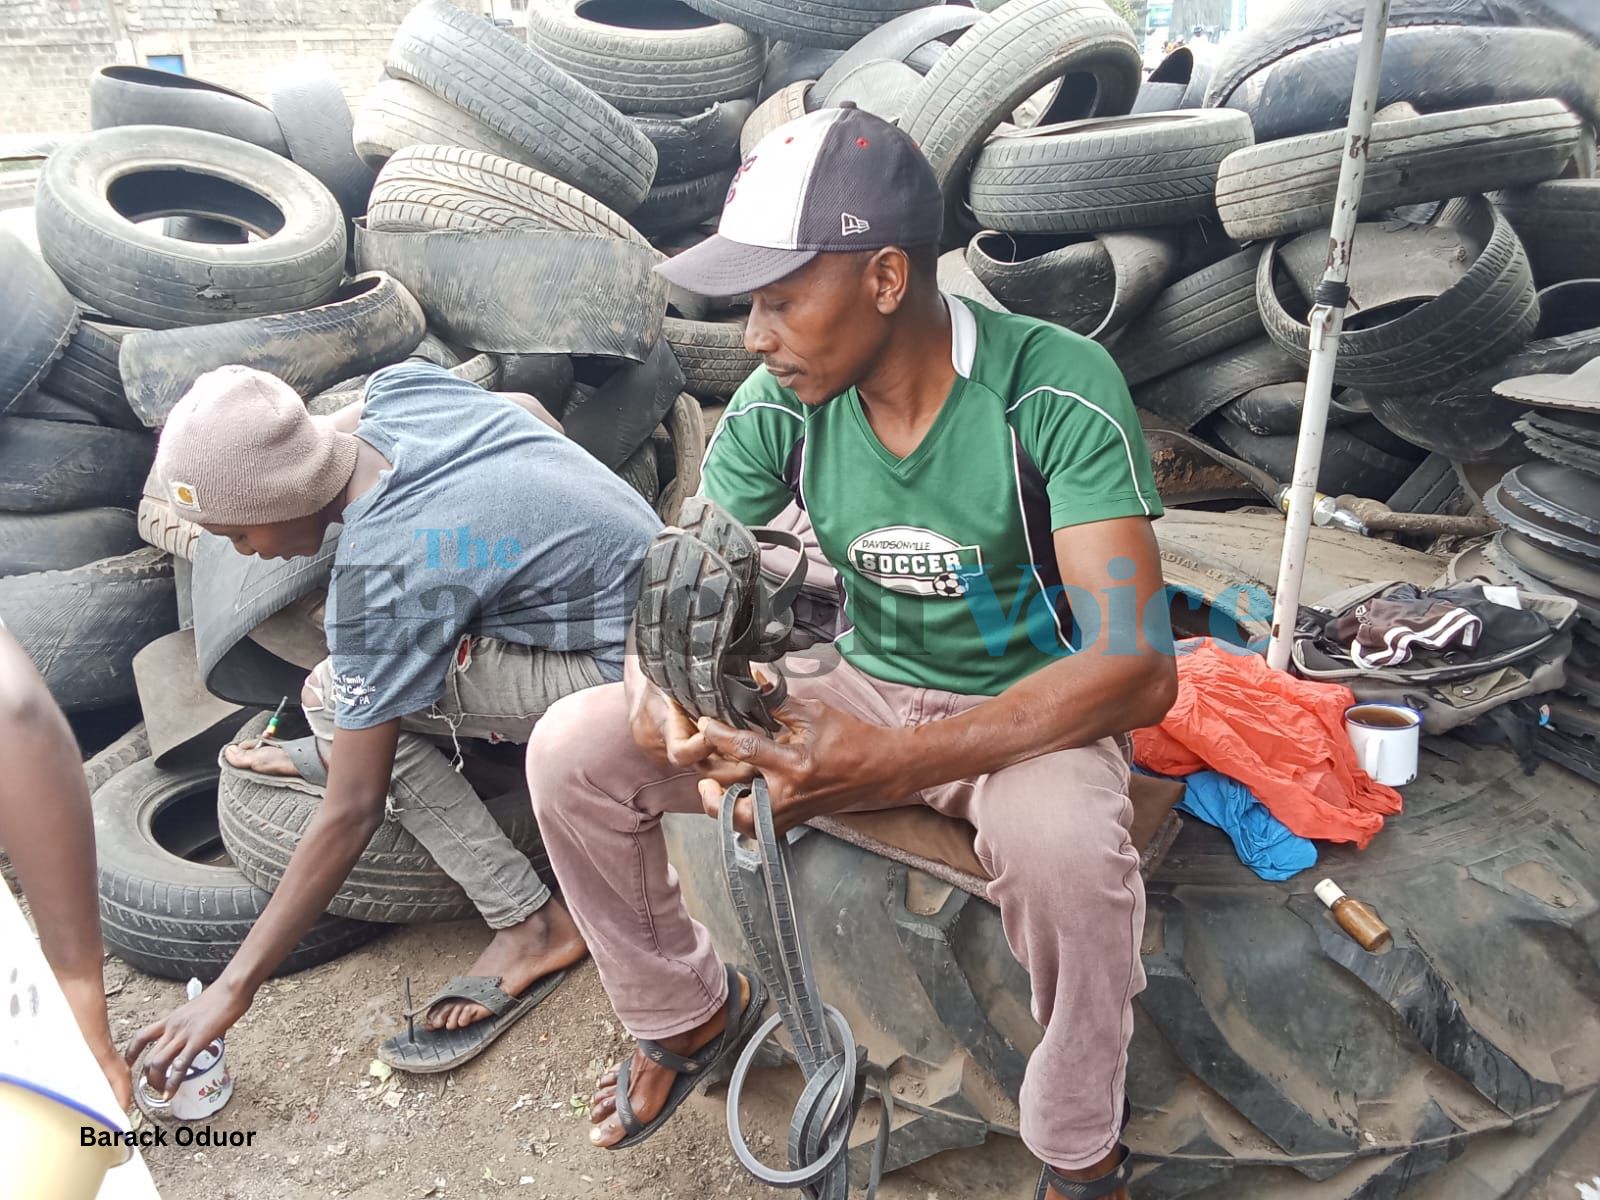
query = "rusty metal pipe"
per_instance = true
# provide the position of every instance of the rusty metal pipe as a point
(1378, 517)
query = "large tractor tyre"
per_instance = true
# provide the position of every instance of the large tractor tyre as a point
(171, 903)
(1271, 1055)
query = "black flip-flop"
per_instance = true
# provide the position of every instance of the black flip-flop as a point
(705, 615)
(690, 1069)
(1090, 1189)
(434, 1050)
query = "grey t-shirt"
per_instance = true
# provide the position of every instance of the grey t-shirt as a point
(490, 523)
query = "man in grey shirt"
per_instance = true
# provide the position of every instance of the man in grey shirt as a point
(487, 567)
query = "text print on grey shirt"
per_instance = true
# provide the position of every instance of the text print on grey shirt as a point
(490, 523)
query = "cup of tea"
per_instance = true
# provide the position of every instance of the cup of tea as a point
(1386, 738)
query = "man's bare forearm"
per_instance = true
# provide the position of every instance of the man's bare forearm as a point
(47, 828)
(1071, 703)
(351, 810)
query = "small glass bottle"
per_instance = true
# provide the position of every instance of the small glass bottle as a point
(1355, 918)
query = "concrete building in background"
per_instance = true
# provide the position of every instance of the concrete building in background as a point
(49, 48)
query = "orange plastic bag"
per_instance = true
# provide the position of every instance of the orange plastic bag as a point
(1282, 737)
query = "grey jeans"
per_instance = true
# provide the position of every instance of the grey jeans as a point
(497, 691)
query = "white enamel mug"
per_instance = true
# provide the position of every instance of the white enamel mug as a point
(1386, 738)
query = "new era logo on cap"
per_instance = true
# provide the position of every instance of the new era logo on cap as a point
(838, 179)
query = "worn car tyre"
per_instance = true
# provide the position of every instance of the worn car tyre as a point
(394, 882)
(171, 903)
(712, 355)
(1559, 224)
(829, 24)
(674, 207)
(317, 128)
(1435, 68)
(562, 126)
(647, 55)
(93, 193)
(445, 187)
(1468, 421)
(1192, 393)
(1284, 187)
(787, 104)
(1202, 314)
(789, 63)
(1166, 87)
(89, 372)
(368, 323)
(40, 314)
(397, 113)
(52, 466)
(1007, 56)
(692, 146)
(1294, 25)
(1276, 408)
(1350, 464)
(82, 627)
(118, 756)
(1108, 174)
(1487, 314)
(161, 527)
(899, 40)
(127, 95)
(1090, 283)
(957, 278)
(65, 540)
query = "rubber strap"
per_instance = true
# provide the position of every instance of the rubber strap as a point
(834, 1065)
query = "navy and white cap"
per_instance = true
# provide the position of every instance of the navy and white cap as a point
(838, 179)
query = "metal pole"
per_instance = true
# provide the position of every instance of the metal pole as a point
(1327, 322)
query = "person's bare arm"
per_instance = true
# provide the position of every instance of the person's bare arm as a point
(48, 830)
(1124, 678)
(359, 770)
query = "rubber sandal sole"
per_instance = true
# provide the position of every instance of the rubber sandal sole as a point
(684, 1085)
(437, 1050)
(691, 606)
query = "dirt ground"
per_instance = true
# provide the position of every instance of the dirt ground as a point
(511, 1124)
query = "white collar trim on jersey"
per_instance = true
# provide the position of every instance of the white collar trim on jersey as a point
(963, 336)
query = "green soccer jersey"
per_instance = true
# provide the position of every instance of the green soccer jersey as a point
(945, 556)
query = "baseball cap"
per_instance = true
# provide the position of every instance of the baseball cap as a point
(838, 179)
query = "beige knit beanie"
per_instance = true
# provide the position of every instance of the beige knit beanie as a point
(241, 449)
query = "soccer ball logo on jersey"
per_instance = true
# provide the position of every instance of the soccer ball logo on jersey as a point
(915, 561)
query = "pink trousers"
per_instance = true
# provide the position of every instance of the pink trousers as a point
(1052, 831)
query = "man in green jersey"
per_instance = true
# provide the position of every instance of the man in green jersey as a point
(980, 482)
